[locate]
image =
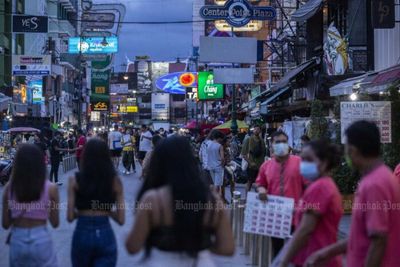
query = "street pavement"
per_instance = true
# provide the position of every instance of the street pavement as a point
(62, 236)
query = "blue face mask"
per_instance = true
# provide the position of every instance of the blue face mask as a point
(309, 170)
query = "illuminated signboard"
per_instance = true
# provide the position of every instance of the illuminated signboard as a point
(100, 106)
(36, 87)
(207, 89)
(92, 45)
(132, 109)
(176, 83)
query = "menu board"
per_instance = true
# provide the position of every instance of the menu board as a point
(270, 218)
(379, 112)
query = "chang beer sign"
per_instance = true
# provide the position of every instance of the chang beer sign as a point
(207, 89)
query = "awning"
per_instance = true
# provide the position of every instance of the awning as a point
(290, 75)
(307, 10)
(263, 106)
(346, 87)
(383, 80)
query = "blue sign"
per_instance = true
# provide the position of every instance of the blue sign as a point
(35, 89)
(176, 83)
(237, 13)
(93, 45)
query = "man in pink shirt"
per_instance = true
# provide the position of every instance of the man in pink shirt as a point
(374, 232)
(280, 176)
(79, 147)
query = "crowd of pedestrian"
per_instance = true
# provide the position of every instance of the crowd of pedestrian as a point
(182, 174)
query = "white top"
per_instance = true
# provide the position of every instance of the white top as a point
(214, 160)
(145, 143)
(127, 140)
(114, 140)
(203, 153)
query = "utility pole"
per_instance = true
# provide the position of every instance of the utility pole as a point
(234, 126)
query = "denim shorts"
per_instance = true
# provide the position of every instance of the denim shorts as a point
(32, 247)
(217, 176)
(93, 243)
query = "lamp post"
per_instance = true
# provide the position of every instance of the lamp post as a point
(234, 126)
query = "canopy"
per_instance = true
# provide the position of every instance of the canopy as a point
(23, 130)
(228, 125)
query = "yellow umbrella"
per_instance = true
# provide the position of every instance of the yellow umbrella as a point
(228, 124)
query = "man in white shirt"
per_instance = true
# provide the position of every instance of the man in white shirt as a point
(115, 146)
(145, 143)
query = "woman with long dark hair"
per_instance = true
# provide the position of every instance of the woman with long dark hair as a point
(95, 194)
(29, 201)
(178, 220)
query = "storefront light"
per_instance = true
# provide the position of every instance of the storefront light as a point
(353, 97)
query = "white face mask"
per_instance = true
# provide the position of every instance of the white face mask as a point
(309, 170)
(281, 149)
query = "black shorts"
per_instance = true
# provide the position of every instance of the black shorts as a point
(142, 155)
(115, 153)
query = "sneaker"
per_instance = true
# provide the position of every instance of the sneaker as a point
(128, 172)
(124, 172)
(59, 183)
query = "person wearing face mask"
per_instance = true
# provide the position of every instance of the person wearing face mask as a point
(374, 231)
(280, 176)
(320, 209)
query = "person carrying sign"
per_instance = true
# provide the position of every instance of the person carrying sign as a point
(280, 176)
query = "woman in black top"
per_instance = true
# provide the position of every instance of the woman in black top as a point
(178, 220)
(94, 195)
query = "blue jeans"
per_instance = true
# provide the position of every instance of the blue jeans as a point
(93, 243)
(32, 247)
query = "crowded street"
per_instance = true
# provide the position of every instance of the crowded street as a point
(62, 236)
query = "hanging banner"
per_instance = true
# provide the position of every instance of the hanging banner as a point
(26, 23)
(24, 65)
(100, 82)
(92, 45)
(379, 112)
(207, 89)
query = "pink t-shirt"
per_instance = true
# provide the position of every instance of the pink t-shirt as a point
(323, 197)
(376, 209)
(397, 173)
(282, 180)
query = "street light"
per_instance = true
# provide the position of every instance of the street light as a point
(126, 77)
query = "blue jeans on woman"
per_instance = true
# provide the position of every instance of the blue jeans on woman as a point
(93, 243)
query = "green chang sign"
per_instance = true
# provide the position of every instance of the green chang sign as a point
(207, 90)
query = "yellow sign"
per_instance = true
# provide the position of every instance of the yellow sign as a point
(100, 89)
(2, 149)
(132, 109)
(100, 106)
